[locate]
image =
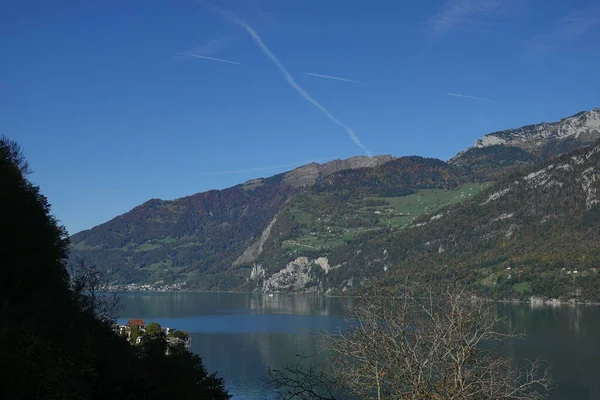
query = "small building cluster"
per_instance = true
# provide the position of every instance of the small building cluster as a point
(148, 287)
(136, 329)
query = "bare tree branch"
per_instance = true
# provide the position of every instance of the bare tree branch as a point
(410, 343)
(87, 283)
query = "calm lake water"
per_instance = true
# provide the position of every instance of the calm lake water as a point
(241, 335)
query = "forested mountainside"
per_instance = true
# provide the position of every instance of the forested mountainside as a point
(271, 234)
(535, 233)
(198, 235)
(168, 240)
(349, 204)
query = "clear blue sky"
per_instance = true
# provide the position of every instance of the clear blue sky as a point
(114, 103)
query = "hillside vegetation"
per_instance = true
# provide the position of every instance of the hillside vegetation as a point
(195, 238)
(351, 204)
(171, 240)
(324, 227)
(535, 233)
(56, 341)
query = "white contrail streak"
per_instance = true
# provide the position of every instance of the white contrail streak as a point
(290, 79)
(470, 97)
(213, 46)
(209, 58)
(337, 78)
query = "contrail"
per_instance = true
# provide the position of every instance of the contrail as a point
(290, 80)
(213, 46)
(470, 97)
(337, 78)
(209, 58)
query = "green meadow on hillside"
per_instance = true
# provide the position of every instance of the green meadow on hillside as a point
(321, 228)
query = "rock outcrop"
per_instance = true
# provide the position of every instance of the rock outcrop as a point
(300, 275)
(584, 126)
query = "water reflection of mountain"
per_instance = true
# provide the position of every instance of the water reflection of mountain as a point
(241, 335)
(298, 304)
(188, 304)
(566, 336)
(243, 359)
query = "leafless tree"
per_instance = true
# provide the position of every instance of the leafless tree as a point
(15, 153)
(414, 344)
(307, 379)
(87, 283)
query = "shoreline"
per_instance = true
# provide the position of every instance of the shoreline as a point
(534, 301)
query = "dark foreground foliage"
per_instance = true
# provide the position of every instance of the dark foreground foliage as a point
(55, 343)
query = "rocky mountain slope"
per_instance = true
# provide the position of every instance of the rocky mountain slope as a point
(330, 226)
(346, 205)
(502, 152)
(583, 126)
(536, 233)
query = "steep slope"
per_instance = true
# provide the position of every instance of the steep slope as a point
(584, 126)
(330, 226)
(351, 202)
(493, 162)
(507, 151)
(161, 240)
(195, 238)
(536, 233)
(346, 207)
(56, 335)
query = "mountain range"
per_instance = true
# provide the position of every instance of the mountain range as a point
(513, 216)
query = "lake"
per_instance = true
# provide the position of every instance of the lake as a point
(241, 335)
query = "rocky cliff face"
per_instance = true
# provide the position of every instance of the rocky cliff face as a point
(584, 126)
(299, 275)
(500, 153)
(576, 176)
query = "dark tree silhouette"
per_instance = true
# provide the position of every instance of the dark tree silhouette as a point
(55, 341)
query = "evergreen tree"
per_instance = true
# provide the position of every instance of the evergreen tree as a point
(55, 338)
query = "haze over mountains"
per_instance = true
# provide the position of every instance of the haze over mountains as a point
(324, 227)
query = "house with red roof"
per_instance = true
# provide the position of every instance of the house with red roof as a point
(136, 322)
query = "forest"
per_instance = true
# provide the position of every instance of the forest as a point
(407, 216)
(55, 339)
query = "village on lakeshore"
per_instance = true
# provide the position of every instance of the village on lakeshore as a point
(148, 287)
(136, 330)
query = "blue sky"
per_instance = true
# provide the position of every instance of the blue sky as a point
(117, 102)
